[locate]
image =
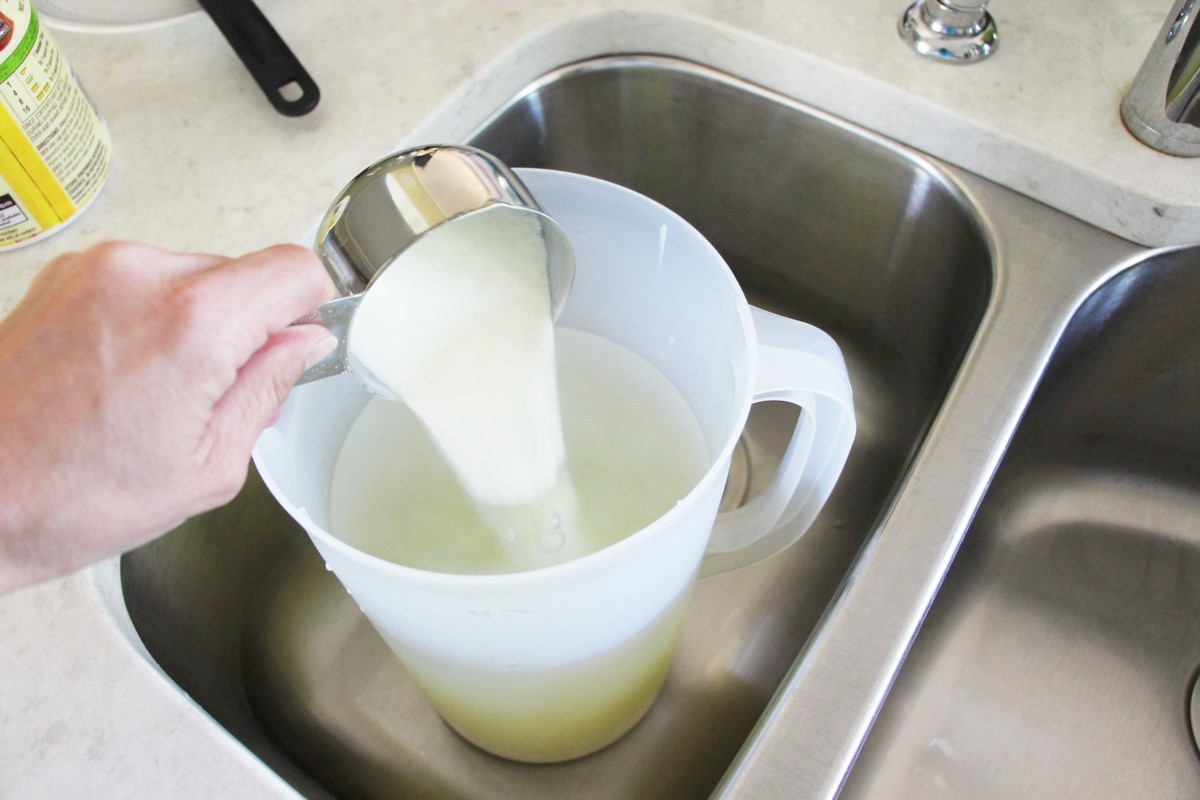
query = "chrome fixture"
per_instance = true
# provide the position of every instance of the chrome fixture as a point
(953, 31)
(1162, 107)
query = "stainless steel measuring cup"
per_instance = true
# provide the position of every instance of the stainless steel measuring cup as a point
(389, 206)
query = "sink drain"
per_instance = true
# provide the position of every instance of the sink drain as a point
(1194, 712)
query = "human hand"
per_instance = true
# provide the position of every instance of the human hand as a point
(133, 384)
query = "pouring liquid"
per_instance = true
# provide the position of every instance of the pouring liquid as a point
(462, 332)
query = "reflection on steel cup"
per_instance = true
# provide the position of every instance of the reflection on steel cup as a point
(389, 206)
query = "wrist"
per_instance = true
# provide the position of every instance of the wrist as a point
(21, 562)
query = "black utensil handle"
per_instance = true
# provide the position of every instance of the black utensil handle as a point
(278, 73)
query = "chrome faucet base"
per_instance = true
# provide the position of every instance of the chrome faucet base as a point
(1162, 107)
(949, 31)
(1172, 138)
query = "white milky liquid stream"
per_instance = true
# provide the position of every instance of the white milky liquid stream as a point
(462, 331)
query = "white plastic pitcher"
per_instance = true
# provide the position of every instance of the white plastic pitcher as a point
(552, 664)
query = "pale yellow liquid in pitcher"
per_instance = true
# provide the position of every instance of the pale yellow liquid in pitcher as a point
(633, 449)
(551, 715)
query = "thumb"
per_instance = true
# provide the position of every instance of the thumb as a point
(252, 402)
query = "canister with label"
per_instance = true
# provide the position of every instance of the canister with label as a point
(55, 150)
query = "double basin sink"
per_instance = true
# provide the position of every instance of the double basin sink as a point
(1000, 599)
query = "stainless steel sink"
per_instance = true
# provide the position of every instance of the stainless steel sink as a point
(1000, 599)
(821, 221)
(1061, 656)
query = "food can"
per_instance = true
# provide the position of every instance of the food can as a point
(55, 150)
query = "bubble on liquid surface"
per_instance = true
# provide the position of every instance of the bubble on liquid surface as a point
(551, 537)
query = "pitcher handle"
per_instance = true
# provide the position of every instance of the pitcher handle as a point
(802, 365)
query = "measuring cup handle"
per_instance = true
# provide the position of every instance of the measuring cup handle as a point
(334, 315)
(799, 364)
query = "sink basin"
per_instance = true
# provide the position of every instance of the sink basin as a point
(1061, 655)
(820, 221)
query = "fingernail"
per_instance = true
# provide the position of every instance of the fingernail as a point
(320, 350)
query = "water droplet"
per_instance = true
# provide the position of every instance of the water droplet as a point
(505, 535)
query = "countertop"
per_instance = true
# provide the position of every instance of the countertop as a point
(204, 164)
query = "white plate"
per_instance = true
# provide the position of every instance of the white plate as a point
(114, 16)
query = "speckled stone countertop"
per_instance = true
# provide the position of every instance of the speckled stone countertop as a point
(203, 163)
